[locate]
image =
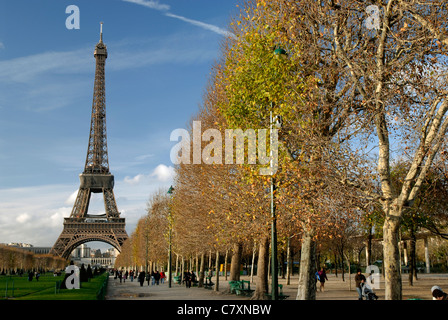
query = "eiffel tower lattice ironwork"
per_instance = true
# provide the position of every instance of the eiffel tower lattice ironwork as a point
(81, 227)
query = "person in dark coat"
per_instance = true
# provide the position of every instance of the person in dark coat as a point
(359, 279)
(187, 279)
(157, 277)
(141, 278)
(439, 294)
(322, 278)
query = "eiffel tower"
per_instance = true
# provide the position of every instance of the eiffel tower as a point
(81, 227)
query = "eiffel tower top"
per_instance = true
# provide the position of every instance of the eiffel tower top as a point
(100, 48)
(97, 161)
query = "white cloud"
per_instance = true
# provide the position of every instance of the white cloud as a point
(203, 25)
(71, 200)
(162, 7)
(57, 218)
(150, 4)
(41, 91)
(135, 180)
(163, 173)
(25, 69)
(174, 49)
(22, 218)
(144, 157)
(33, 214)
(2, 46)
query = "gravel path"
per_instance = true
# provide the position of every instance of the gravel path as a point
(335, 289)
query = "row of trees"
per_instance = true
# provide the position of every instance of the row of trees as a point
(13, 260)
(364, 122)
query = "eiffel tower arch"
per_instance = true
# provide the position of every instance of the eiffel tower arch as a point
(81, 227)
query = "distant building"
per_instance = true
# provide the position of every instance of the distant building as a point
(81, 255)
(85, 255)
(83, 251)
(30, 247)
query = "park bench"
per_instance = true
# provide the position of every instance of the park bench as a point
(233, 285)
(241, 289)
(177, 279)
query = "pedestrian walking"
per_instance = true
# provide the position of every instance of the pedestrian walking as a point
(187, 279)
(193, 278)
(317, 278)
(322, 278)
(141, 278)
(153, 278)
(157, 277)
(162, 277)
(148, 277)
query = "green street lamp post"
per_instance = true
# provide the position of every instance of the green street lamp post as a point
(274, 271)
(281, 53)
(170, 192)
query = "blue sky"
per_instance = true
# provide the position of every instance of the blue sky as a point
(160, 55)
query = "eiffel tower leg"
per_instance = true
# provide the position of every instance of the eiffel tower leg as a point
(109, 203)
(81, 204)
(61, 244)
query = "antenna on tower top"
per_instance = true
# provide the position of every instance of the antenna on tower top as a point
(101, 32)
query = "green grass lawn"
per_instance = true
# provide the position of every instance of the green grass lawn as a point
(19, 288)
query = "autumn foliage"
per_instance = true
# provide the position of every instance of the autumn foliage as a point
(341, 91)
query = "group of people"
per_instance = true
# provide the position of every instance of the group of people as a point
(32, 274)
(154, 277)
(189, 278)
(363, 289)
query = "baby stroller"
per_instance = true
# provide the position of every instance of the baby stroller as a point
(367, 292)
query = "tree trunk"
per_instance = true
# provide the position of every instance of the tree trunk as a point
(307, 279)
(392, 272)
(253, 262)
(412, 262)
(288, 262)
(262, 271)
(236, 262)
(349, 273)
(341, 253)
(217, 272)
(202, 271)
(369, 247)
(283, 266)
(225, 264)
(336, 264)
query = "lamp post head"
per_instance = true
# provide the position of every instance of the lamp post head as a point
(279, 52)
(170, 190)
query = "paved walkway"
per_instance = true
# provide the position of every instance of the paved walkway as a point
(133, 291)
(335, 289)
